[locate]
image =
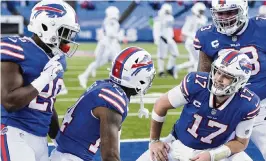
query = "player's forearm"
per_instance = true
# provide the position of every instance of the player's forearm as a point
(18, 98)
(159, 112)
(54, 126)
(237, 146)
(204, 62)
(156, 128)
(110, 157)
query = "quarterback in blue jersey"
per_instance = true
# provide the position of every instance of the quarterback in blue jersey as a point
(31, 77)
(232, 29)
(216, 106)
(96, 118)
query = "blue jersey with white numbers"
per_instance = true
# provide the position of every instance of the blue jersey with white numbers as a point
(80, 131)
(34, 117)
(252, 42)
(202, 125)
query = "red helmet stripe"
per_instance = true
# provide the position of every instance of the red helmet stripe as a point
(230, 56)
(48, 9)
(121, 59)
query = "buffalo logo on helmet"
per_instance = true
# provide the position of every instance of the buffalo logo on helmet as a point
(145, 63)
(52, 10)
(245, 65)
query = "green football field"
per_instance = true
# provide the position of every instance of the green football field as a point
(133, 127)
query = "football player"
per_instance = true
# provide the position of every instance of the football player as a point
(107, 47)
(96, 118)
(232, 29)
(166, 41)
(32, 73)
(189, 29)
(216, 106)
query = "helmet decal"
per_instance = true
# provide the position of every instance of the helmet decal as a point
(52, 10)
(245, 65)
(146, 63)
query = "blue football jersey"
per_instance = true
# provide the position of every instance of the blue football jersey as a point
(80, 131)
(202, 125)
(36, 116)
(252, 42)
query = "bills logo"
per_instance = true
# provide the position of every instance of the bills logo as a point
(52, 10)
(145, 63)
(245, 65)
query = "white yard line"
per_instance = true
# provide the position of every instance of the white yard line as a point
(135, 114)
(125, 140)
(153, 87)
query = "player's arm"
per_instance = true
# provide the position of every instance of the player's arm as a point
(204, 62)
(110, 122)
(243, 133)
(172, 99)
(238, 144)
(54, 126)
(13, 95)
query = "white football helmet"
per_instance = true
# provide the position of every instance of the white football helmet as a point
(198, 9)
(55, 23)
(133, 68)
(229, 15)
(166, 9)
(233, 64)
(112, 12)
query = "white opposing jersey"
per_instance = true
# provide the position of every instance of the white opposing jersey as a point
(111, 27)
(166, 26)
(192, 24)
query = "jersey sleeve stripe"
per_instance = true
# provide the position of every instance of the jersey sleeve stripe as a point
(196, 40)
(110, 100)
(254, 111)
(184, 86)
(11, 46)
(10, 53)
(115, 95)
(197, 46)
(248, 118)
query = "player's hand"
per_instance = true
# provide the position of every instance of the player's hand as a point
(204, 156)
(52, 68)
(159, 151)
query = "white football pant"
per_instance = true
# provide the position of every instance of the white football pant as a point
(193, 57)
(164, 46)
(58, 156)
(19, 145)
(186, 153)
(258, 135)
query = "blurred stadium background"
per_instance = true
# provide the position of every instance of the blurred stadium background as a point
(136, 30)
